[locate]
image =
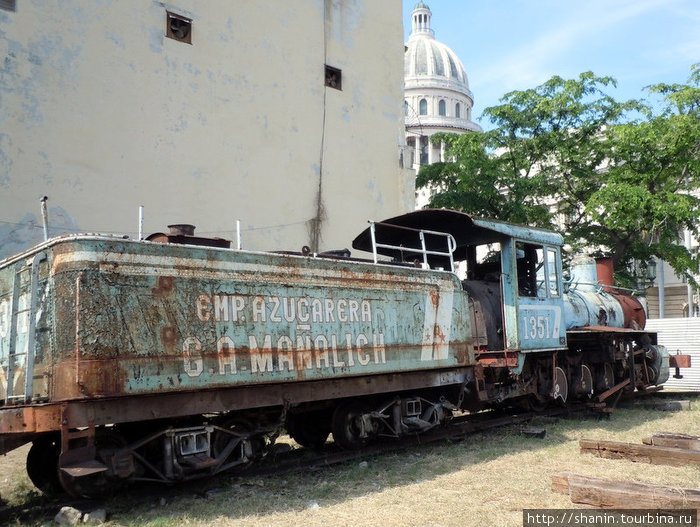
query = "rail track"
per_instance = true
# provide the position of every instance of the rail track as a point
(278, 462)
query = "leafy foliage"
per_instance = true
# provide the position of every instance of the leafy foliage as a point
(613, 176)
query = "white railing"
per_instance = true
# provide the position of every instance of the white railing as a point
(450, 243)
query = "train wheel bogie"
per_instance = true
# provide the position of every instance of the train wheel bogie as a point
(351, 427)
(95, 479)
(237, 442)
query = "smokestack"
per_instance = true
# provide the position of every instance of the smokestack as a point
(605, 270)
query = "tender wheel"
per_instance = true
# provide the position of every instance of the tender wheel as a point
(347, 427)
(42, 464)
(311, 429)
(98, 485)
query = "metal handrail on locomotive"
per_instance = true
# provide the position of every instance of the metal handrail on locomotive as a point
(177, 357)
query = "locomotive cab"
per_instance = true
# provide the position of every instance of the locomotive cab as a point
(587, 341)
(511, 273)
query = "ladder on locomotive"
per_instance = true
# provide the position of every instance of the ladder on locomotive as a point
(15, 312)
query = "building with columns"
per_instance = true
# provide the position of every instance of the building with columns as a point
(437, 94)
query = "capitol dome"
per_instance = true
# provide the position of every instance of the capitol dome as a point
(437, 94)
(428, 61)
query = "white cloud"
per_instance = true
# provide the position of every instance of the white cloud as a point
(533, 62)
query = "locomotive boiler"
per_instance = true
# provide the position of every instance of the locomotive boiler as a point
(177, 357)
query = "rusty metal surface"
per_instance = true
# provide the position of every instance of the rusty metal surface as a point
(487, 313)
(501, 359)
(679, 361)
(94, 412)
(590, 308)
(19, 329)
(138, 317)
(591, 305)
(183, 233)
(634, 315)
(608, 329)
(237, 318)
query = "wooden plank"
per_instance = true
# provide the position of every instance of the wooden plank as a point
(656, 455)
(560, 482)
(673, 440)
(611, 494)
(612, 390)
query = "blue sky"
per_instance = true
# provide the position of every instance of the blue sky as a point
(510, 45)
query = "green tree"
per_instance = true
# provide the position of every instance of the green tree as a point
(615, 175)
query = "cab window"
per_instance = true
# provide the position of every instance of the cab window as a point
(538, 270)
(531, 270)
(552, 272)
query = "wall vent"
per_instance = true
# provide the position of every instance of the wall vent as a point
(8, 5)
(178, 28)
(334, 77)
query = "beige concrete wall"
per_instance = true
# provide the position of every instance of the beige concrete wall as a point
(102, 113)
(675, 304)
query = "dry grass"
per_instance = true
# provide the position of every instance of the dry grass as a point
(486, 479)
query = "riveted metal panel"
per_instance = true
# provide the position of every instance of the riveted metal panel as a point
(140, 317)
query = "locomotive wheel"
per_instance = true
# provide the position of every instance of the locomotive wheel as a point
(560, 388)
(605, 377)
(347, 426)
(42, 464)
(100, 484)
(537, 403)
(311, 429)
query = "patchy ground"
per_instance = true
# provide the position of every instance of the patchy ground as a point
(487, 479)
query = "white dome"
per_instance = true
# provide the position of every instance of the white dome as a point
(431, 63)
(436, 88)
(428, 62)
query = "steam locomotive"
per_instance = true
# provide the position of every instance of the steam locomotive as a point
(178, 357)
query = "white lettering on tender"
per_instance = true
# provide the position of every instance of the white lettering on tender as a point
(259, 309)
(203, 306)
(226, 350)
(305, 352)
(194, 365)
(260, 359)
(274, 315)
(224, 307)
(310, 347)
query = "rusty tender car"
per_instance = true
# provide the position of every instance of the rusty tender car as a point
(178, 357)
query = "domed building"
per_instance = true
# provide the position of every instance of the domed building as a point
(437, 94)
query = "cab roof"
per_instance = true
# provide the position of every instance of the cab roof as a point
(466, 230)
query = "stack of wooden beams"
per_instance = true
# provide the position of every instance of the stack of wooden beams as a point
(664, 448)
